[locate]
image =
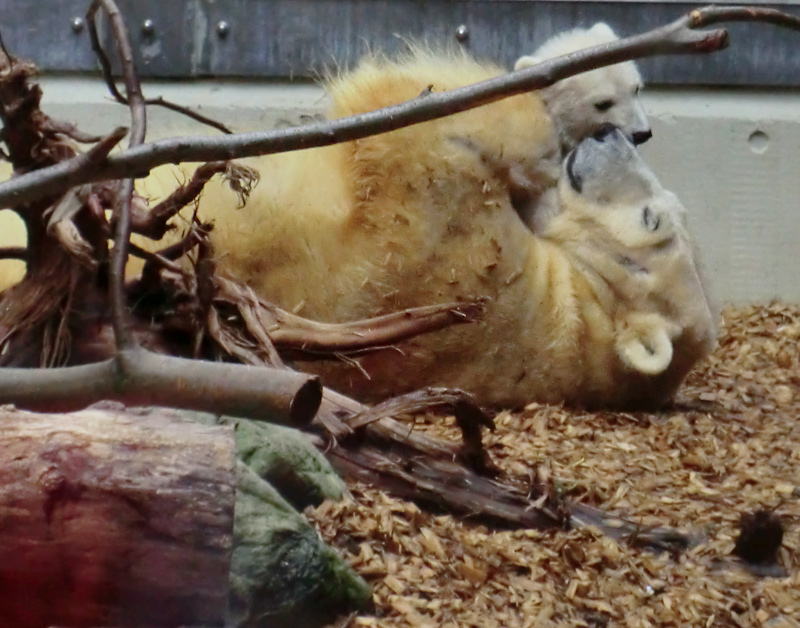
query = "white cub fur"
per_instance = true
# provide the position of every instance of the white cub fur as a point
(582, 103)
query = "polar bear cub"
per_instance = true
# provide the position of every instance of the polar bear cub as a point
(583, 103)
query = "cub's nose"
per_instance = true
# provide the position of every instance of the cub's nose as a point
(604, 131)
(640, 137)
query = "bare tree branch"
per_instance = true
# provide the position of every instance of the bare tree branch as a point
(122, 211)
(145, 378)
(418, 401)
(679, 37)
(155, 258)
(706, 16)
(102, 57)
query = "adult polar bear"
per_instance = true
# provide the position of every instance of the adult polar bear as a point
(605, 308)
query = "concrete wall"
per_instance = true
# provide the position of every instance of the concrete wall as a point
(733, 157)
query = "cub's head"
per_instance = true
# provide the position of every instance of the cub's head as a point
(583, 103)
(628, 237)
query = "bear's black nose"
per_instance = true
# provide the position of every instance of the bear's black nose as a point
(640, 137)
(604, 131)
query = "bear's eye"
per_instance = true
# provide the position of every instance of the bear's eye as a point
(650, 220)
(604, 105)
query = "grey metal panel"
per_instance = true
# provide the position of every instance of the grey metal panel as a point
(301, 38)
(42, 31)
(166, 46)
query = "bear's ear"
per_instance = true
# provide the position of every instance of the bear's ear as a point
(526, 62)
(603, 31)
(644, 342)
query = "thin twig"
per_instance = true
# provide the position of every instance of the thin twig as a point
(70, 130)
(100, 53)
(108, 75)
(5, 50)
(189, 113)
(675, 38)
(170, 253)
(420, 401)
(706, 16)
(98, 153)
(153, 224)
(155, 258)
(122, 211)
(195, 234)
(14, 252)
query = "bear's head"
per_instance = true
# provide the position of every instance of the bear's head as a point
(606, 181)
(581, 104)
(628, 236)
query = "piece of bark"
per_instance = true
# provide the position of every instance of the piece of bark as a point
(114, 519)
(442, 474)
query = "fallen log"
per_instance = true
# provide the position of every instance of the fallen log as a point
(112, 519)
(375, 448)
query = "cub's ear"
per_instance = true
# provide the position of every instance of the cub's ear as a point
(644, 342)
(526, 62)
(603, 31)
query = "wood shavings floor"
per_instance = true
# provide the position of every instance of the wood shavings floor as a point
(731, 446)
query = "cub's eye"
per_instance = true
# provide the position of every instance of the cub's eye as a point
(604, 105)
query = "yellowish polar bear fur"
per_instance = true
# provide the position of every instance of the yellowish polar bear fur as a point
(602, 309)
